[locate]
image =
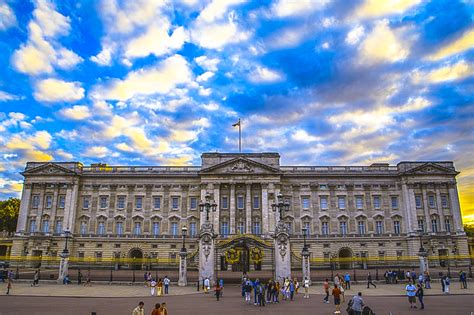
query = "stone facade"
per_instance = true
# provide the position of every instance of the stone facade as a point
(350, 211)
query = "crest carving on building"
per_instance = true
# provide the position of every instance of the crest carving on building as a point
(241, 166)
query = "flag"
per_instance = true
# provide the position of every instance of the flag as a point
(236, 124)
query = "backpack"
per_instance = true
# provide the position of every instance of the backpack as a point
(367, 311)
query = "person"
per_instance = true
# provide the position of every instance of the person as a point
(79, 277)
(463, 279)
(88, 280)
(356, 304)
(166, 282)
(337, 280)
(256, 283)
(347, 280)
(247, 291)
(9, 285)
(411, 293)
(2, 275)
(385, 275)
(145, 279)
(413, 276)
(447, 282)
(207, 285)
(441, 279)
(35, 278)
(276, 295)
(292, 289)
(336, 292)
(427, 280)
(261, 294)
(420, 294)
(139, 310)
(163, 309)
(297, 285)
(159, 288)
(420, 279)
(221, 283)
(156, 310)
(218, 290)
(326, 290)
(306, 288)
(369, 281)
(153, 287)
(66, 280)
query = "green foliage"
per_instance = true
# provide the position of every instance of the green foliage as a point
(9, 210)
(469, 229)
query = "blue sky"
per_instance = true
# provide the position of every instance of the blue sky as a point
(327, 82)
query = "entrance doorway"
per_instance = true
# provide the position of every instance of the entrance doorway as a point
(345, 258)
(136, 255)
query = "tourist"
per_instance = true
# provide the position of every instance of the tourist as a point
(441, 279)
(306, 288)
(88, 280)
(326, 290)
(276, 294)
(156, 310)
(9, 285)
(261, 294)
(163, 309)
(207, 285)
(463, 279)
(356, 304)
(36, 278)
(66, 280)
(420, 294)
(159, 288)
(337, 280)
(385, 275)
(217, 290)
(139, 310)
(79, 277)
(347, 280)
(292, 289)
(153, 287)
(369, 281)
(447, 282)
(166, 282)
(221, 283)
(413, 275)
(247, 291)
(408, 276)
(145, 279)
(427, 280)
(336, 292)
(297, 285)
(256, 283)
(411, 293)
(421, 279)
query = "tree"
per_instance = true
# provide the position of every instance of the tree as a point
(9, 210)
(469, 229)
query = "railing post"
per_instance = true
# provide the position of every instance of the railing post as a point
(133, 279)
(377, 273)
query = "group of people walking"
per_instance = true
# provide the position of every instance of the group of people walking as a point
(156, 287)
(160, 309)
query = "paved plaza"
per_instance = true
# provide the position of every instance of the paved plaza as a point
(120, 299)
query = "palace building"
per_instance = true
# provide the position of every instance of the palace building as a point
(368, 213)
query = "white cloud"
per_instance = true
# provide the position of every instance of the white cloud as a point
(4, 96)
(303, 136)
(450, 72)
(288, 37)
(211, 106)
(461, 44)
(265, 75)
(104, 58)
(96, 152)
(22, 141)
(54, 90)
(287, 8)
(223, 33)
(7, 17)
(77, 112)
(377, 8)
(216, 9)
(355, 35)
(64, 155)
(325, 45)
(205, 76)
(207, 63)
(158, 79)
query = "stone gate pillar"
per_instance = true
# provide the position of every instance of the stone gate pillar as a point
(206, 252)
(63, 267)
(183, 279)
(282, 252)
(306, 264)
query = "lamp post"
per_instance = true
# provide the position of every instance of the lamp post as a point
(182, 281)
(305, 257)
(207, 206)
(64, 263)
(422, 254)
(280, 206)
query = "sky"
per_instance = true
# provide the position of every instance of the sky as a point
(145, 82)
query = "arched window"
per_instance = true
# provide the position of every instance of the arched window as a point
(155, 228)
(137, 228)
(83, 228)
(119, 227)
(434, 223)
(45, 224)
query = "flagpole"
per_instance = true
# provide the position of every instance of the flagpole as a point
(240, 136)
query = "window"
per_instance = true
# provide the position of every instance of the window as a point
(361, 227)
(256, 228)
(305, 202)
(376, 202)
(175, 203)
(343, 227)
(46, 226)
(103, 202)
(240, 227)
(323, 201)
(421, 224)
(307, 226)
(193, 203)
(324, 228)
(434, 225)
(119, 228)
(396, 227)
(59, 227)
(192, 229)
(83, 228)
(224, 228)
(381, 256)
(290, 227)
(447, 224)
(240, 202)
(138, 228)
(121, 202)
(35, 201)
(379, 227)
(85, 202)
(174, 228)
(394, 202)
(101, 228)
(49, 201)
(444, 201)
(341, 201)
(359, 202)
(62, 201)
(32, 226)
(157, 202)
(418, 201)
(225, 202)
(256, 202)
(138, 202)
(156, 228)
(431, 201)
(98, 255)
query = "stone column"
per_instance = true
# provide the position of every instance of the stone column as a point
(426, 211)
(71, 206)
(24, 206)
(439, 206)
(409, 209)
(206, 252)
(456, 210)
(232, 208)
(183, 280)
(306, 267)
(63, 267)
(265, 210)
(282, 252)
(248, 209)
(217, 200)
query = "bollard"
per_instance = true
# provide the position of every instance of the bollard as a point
(377, 273)
(355, 278)
(111, 276)
(197, 285)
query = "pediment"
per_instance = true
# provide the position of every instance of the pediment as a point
(430, 169)
(240, 165)
(48, 169)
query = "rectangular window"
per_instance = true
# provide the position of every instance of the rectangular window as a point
(307, 226)
(193, 203)
(376, 202)
(103, 202)
(290, 227)
(157, 203)
(225, 202)
(361, 227)
(379, 227)
(49, 201)
(431, 201)
(121, 202)
(35, 201)
(138, 228)
(98, 256)
(343, 227)
(444, 201)
(394, 201)
(305, 202)
(32, 226)
(240, 202)
(83, 228)
(256, 228)
(174, 228)
(46, 226)
(85, 202)
(240, 227)
(192, 229)
(396, 227)
(359, 202)
(138, 202)
(381, 256)
(325, 228)
(341, 201)
(59, 227)
(119, 228)
(224, 228)
(175, 203)
(418, 201)
(323, 201)
(156, 228)
(421, 224)
(256, 202)
(447, 224)
(434, 225)
(62, 201)
(101, 228)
